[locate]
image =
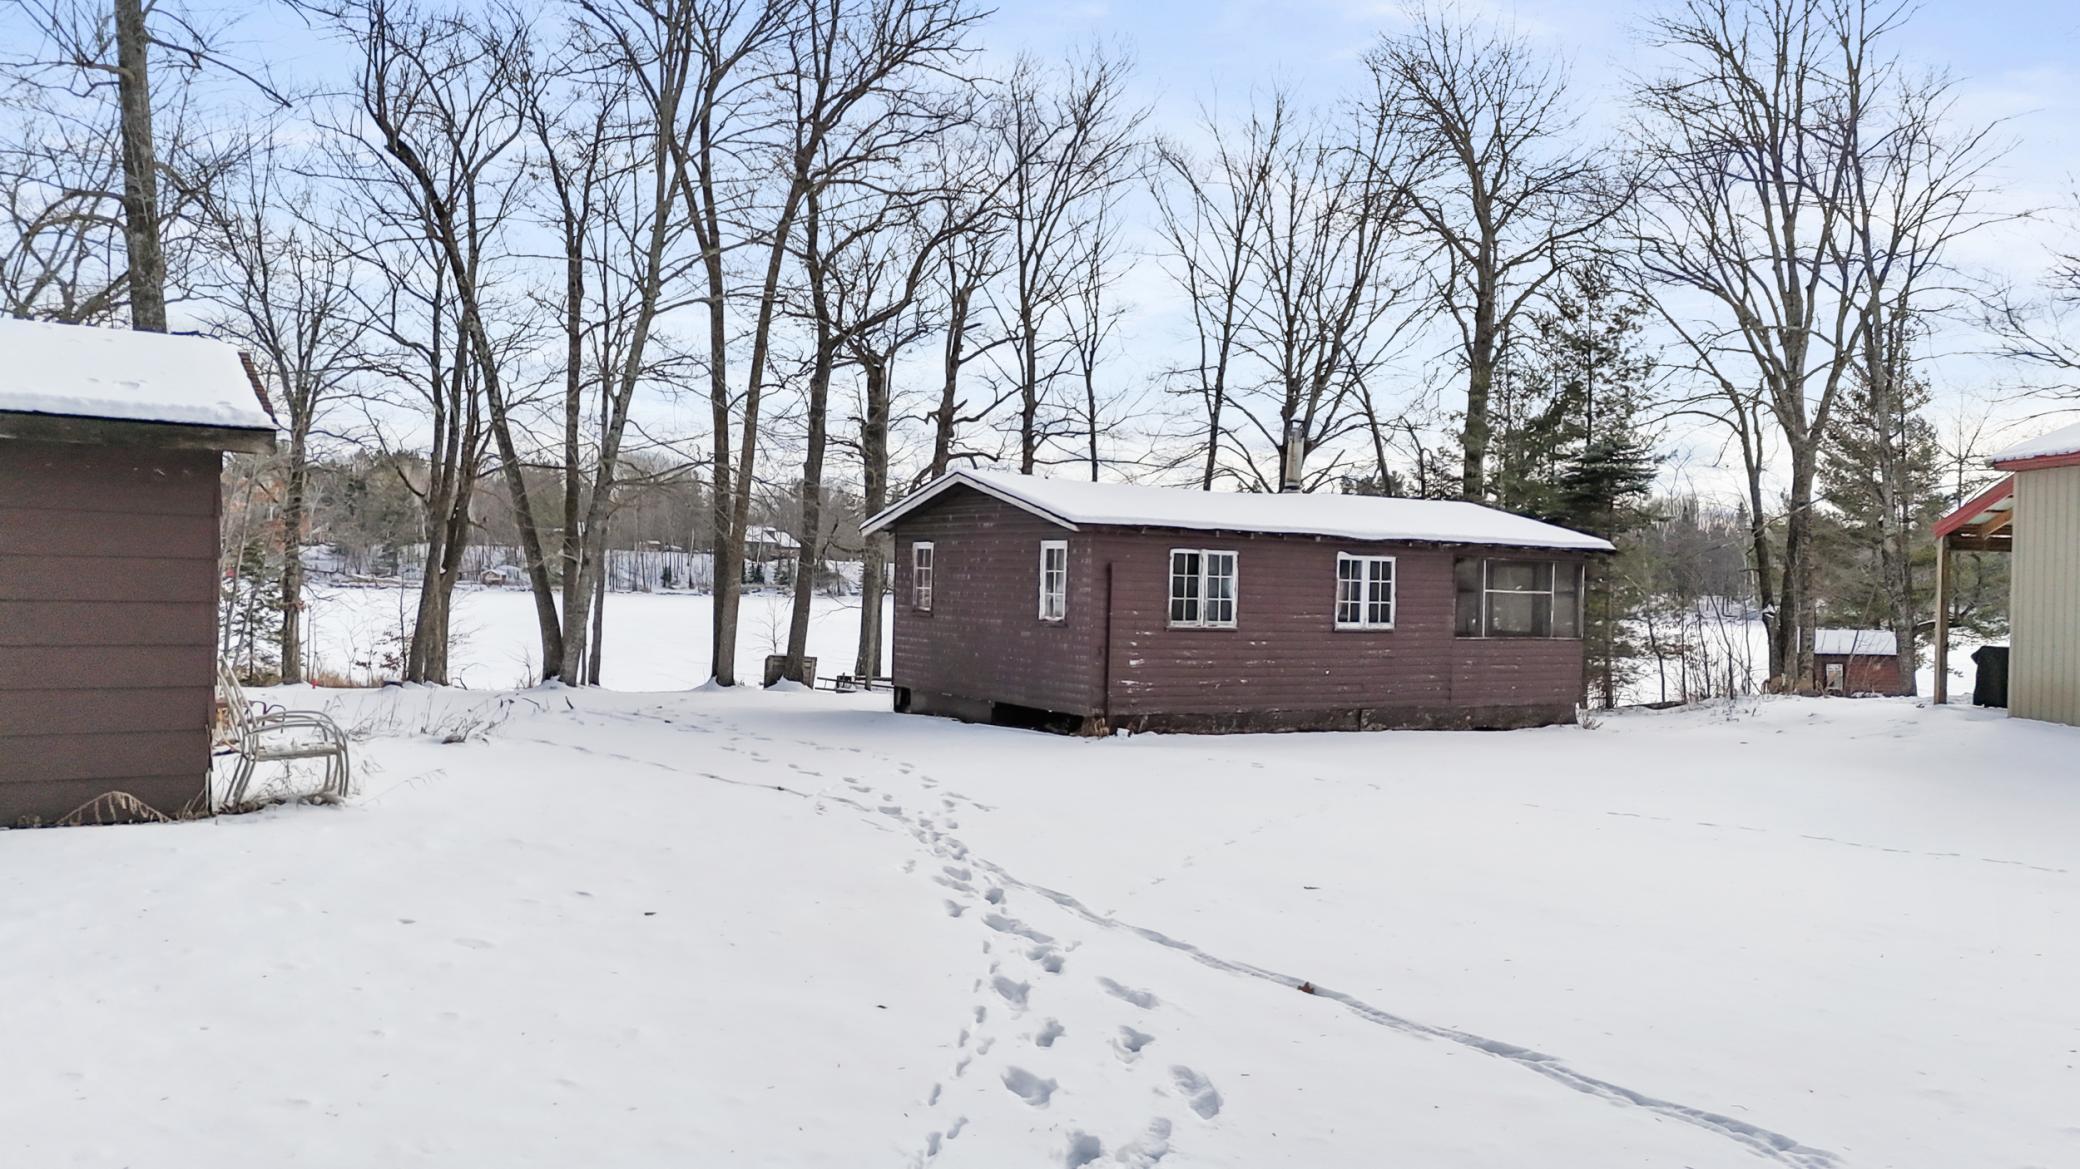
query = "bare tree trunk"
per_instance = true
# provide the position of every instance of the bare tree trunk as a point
(147, 259)
(874, 466)
(293, 520)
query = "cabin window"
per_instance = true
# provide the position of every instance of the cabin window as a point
(1202, 588)
(1054, 580)
(1364, 592)
(1517, 598)
(921, 577)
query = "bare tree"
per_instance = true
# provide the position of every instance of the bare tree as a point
(1508, 194)
(1067, 141)
(441, 94)
(845, 82)
(282, 290)
(1762, 142)
(1325, 302)
(602, 129)
(1210, 212)
(84, 166)
(958, 288)
(1916, 187)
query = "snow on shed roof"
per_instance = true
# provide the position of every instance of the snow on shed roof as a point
(1874, 642)
(1075, 503)
(88, 372)
(2063, 441)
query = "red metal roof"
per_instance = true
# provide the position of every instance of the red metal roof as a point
(1976, 509)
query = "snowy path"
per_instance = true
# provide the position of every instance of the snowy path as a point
(767, 930)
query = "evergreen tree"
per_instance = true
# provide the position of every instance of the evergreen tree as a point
(1568, 446)
(1882, 477)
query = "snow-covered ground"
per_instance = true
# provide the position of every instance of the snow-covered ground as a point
(755, 929)
(654, 641)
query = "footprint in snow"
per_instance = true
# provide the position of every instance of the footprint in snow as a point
(1029, 1087)
(1013, 992)
(1082, 1150)
(1197, 1091)
(1140, 998)
(1049, 1031)
(1129, 1042)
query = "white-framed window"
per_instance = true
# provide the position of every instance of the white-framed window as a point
(1202, 588)
(1054, 580)
(921, 576)
(1364, 592)
(1499, 597)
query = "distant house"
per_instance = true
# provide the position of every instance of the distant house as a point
(1858, 661)
(770, 554)
(1086, 607)
(503, 576)
(110, 447)
(2034, 514)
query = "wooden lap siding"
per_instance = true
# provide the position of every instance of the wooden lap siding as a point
(108, 582)
(1284, 662)
(1862, 673)
(983, 638)
(1286, 655)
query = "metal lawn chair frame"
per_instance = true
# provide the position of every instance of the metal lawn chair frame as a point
(265, 733)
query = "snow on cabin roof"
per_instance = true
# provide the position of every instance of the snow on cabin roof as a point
(2063, 441)
(1855, 642)
(89, 372)
(767, 534)
(1075, 503)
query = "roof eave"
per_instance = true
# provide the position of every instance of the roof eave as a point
(37, 426)
(887, 517)
(2038, 462)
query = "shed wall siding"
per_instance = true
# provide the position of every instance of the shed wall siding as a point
(2044, 661)
(1283, 661)
(1862, 673)
(983, 637)
(108, 579)
(1285, 653)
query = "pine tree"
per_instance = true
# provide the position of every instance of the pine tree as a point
(1568, 446)
(1882, 477)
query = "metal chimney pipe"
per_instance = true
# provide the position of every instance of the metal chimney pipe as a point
(1294, 459)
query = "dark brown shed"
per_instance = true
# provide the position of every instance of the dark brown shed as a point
(1858, 661)
(110, 448)
(1087, 607)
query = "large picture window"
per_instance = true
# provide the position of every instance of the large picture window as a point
(1054, 580)
(1517, 598)
(921, 577)
(1364, 592)
(1202, 588)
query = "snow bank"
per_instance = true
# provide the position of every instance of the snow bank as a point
(116, 373)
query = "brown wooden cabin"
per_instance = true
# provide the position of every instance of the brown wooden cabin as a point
(1091, 607)
(1858, 661)
(110, 448)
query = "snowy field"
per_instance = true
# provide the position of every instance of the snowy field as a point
(654, 641)
(752, 929)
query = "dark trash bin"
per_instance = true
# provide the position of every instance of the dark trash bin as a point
(1990, 687)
